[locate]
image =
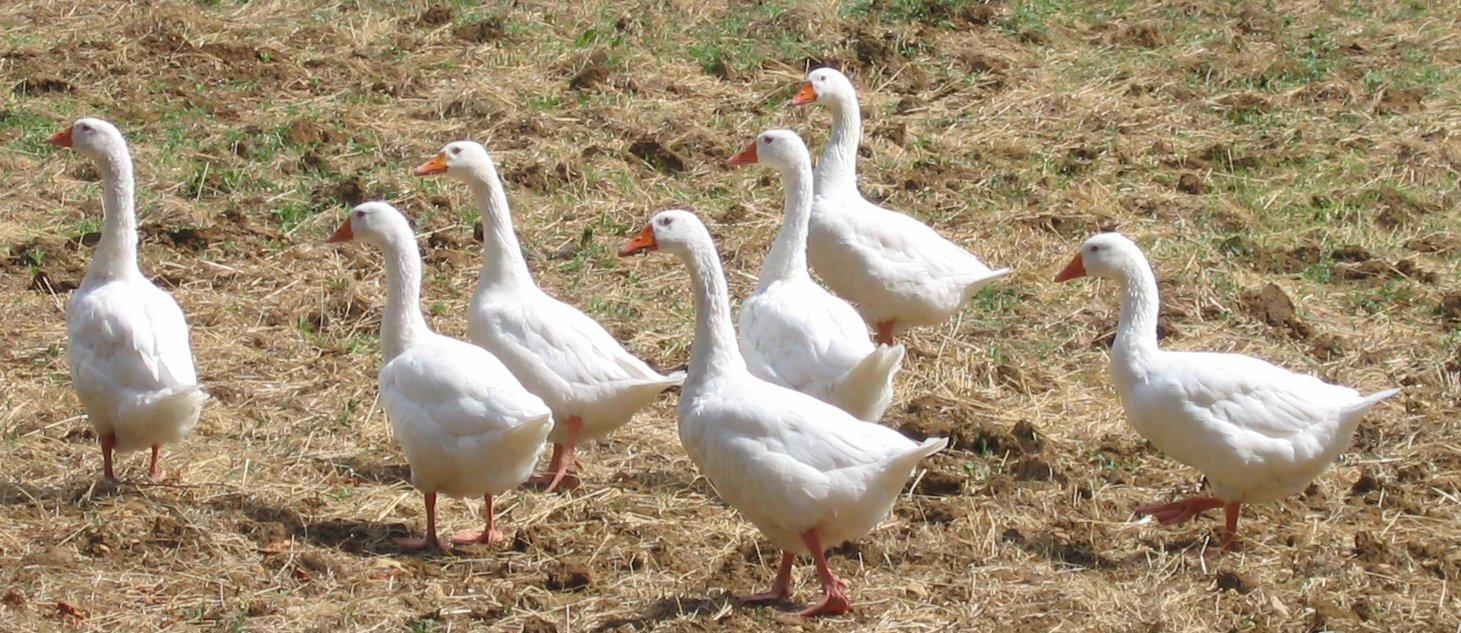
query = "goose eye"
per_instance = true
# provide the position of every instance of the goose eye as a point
(456, 150)
(86, 128)
(359, 214)
(767, 141)
(666, 221)
(1095, 248)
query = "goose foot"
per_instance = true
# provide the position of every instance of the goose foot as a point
(1192, 507)
(155, 473)
(429, 541)
(780, 588)
(885, 332)
(834, 602)
(108, 443)
(471, 537)
(1180, 511)
(834, 591)
(560, 467)
(488, 534)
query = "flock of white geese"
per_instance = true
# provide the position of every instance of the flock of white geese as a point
(779, 411)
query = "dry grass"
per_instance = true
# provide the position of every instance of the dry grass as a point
(1242, 144)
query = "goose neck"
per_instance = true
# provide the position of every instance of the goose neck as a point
(116, 252)
(402, 323)
(787, 259)
(503, 264)
(837, 170)
(714, 351)
(1136, 331)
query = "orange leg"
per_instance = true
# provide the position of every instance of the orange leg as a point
(1192, 507)
(561, 466)
(834, 592)
(488, 534)
(108, 443)
(780, 588)
(154, 471)
(885, 332)
(1230, 526)
(429, 540)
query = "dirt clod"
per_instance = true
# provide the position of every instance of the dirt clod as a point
(1191, 183)
(940, 484)
(1272, 306)
(1036, 469)
(569, 575)
(1235, 582)
(657, 155)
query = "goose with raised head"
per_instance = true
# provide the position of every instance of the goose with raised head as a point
(467, 426)
(808, 475)
(1257, 431)
(592, 384)
(898, 271)
(792, 331)
(128, 350)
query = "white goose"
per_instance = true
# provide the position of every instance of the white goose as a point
(467, 426)
(1258, 432)
(898, 271)
(592, 384)
(792, 331)
(805, 473)
(128, 346)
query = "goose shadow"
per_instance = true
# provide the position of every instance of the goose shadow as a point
(1060, 550)
(267, 522)
(672, 607)
(364, 470)
(71, 492)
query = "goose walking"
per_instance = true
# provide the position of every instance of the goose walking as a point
(1259, 432)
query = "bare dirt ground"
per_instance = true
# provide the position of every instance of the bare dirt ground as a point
(1290, 166)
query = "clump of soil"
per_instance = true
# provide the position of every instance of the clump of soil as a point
(436, 15)
(940, 484)
(39, 85)
(1228, 580)
(54, 265)
(540, 177)
(931, 416)
(482, 31)
(1191, 183)
(597, 71)
(657, 155)
(1400, 101)
(1450, 308)
(1272, 305)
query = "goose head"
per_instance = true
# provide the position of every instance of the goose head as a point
(375, 223)
(1104, 255)
(458, 159)
(94, 137)
(824, 85)
(778, 149)
(675, 231)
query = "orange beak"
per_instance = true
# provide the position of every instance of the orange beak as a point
(644, 241)
(437, 165)
(62, 138)
(342, 234)
(1076, 268)
(746, 157)
(806, 95)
